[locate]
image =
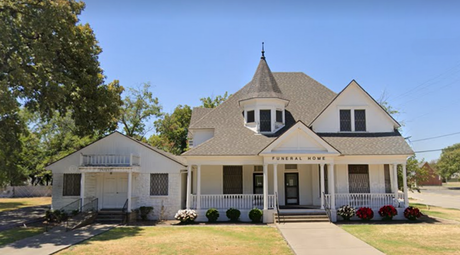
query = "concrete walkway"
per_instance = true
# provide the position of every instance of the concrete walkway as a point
(323, 238)
(53, 241)
(14, 218)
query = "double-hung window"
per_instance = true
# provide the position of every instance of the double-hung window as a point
(346, 117)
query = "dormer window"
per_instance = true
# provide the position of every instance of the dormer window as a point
(250, 117)
(346, 116)
(279, 116)
(265, 121)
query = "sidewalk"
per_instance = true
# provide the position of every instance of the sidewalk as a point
(323, 238)
(53, 241)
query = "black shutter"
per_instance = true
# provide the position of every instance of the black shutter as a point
(386, 171)
(233, 180)
(358, 179)
(265, 121)
(360, 120)
(345, 120)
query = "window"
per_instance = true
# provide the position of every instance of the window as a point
(345, 120)
(233, 180)
(258, 183)
(158, 184)
(326, 180)
(290, 167)
(358, 178)
(360, 120)
(279, 116)
(386, 172)
(250, 117)
(71, 185)
(265, 121)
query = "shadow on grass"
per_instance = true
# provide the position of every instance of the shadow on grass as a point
(5, 206)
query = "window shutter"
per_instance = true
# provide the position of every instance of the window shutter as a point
(386, 171)
(233, 180)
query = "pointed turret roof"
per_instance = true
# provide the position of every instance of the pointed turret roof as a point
(263, 84)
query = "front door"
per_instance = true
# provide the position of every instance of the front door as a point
(291, 188)
(115, 190)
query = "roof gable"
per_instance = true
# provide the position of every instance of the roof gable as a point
(299, 139)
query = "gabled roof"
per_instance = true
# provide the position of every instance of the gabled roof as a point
(354, 83)
(262, 85)
(172, 157)
(198, 113)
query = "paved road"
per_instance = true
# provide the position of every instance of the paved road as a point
(438, 196)
(14, 218)
(323, 238)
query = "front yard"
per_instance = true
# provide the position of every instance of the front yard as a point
(185, 240)
(7, 204)
(16, 234)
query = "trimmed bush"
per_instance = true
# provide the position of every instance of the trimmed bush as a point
(186, 216)
(387, 212)
(412, 213)
(233, 214)
(365, 213)
(346, 212)
(212, 214)
(144, 211)
(255, 215)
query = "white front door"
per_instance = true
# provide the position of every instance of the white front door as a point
(115, 190)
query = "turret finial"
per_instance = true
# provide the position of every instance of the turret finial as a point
(263, 51)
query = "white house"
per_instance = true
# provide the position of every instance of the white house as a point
(118, 171)
(285, 140)
(282, 141)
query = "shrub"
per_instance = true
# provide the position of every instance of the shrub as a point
(346, 212)
(144, 211)
(56, 216)
(387, 212)
(233, 214)
(212, 214)
(412, 213)
(75, 212)
(186, 216)
(365, 213)
(255, 215)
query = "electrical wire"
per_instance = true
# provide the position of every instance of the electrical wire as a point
(435, 137)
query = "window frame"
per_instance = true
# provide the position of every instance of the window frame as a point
(359, 167)
(341, 128)
(356, 120)
(167, 185)
(253, 116)
(352, 111)
(77, 185)
(260, 121)
(280, 112)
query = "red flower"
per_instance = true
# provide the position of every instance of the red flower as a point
(412, 213)
(365, 213)
(388, 212)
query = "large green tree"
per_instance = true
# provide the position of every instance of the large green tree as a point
(414, 172)
(139, 106)
(210, 102)
(49, 64)
(449, 162)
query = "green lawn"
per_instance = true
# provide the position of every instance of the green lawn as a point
(13, 235)
(185, 240)
(7, 204)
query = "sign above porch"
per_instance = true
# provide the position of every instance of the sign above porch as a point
(299, 141)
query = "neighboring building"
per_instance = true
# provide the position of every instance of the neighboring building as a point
(283, 140)
(120, 171)
(286, 139)
(434, 179)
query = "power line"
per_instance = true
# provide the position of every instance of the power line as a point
(434, 137)
(428, 151)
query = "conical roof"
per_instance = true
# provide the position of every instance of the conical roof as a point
(262, 85)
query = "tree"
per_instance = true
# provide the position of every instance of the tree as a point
(172, 130)
(209, 102)
(415, 174)
(383, 102)
(449, 162)
(138, 108)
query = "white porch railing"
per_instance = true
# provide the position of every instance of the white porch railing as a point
(110, 160)
(238, 201)
(373, 200)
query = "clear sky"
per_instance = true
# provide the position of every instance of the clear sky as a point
(409, 50)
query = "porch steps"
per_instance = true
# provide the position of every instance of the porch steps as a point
(301, 215)
(110, 216)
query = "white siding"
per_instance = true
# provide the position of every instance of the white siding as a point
(202, 135)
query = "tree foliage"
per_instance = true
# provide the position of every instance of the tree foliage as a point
(172, 130)
(415, 173)
(209, 102)
(449, 162)
(139, 106)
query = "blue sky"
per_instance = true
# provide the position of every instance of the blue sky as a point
(409, 50)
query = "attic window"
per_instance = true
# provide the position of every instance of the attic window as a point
(250, 117)
(279, 116)
(345, 120)
(360, 120)
(265, 121)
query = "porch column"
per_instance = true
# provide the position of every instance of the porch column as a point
(189, 185)
(130, 180)
(395, 181)
(322, 185)
(82, 190)
(275, 181)
(198, 187)
(406, 198)
(332, 185)
(265, 186)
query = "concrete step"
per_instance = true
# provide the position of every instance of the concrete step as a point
(309, 215)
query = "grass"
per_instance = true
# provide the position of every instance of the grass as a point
(13, 235)
(452, 184)
(417, 239)
(7, 204)
(438, 212)
(185, 240)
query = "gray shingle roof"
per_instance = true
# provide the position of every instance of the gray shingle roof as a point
(198, 113)
(368, 143)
